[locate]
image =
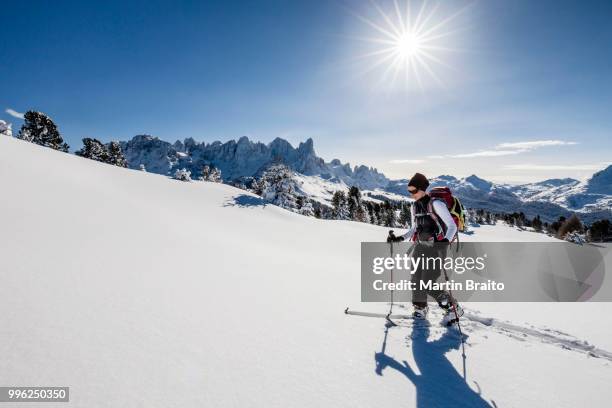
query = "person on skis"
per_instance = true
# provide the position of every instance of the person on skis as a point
(431, 223)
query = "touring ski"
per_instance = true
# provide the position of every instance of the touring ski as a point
(371, 314)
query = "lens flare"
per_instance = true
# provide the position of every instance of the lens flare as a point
(410, 46)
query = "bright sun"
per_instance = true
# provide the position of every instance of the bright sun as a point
(408, 43)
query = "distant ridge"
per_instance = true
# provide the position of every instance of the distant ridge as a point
(244, 158)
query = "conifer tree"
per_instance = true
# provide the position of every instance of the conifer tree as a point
(182, 174)
(354, 202)
(115, 155)
(405, 216)
(277, 186)
(211, 173)
(600, 230)
(389, 214)
(536, 223)
(340, 208)
(93, 149)
(40, 129)
(205, 172)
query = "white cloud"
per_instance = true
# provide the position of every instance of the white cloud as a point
(535, 144)
(14, 113)
(508, 149)
(502, 149)
(486, 153)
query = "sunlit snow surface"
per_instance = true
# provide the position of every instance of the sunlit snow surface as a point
(137, 290)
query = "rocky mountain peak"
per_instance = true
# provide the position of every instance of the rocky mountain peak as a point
(478, 183)
(601, 182)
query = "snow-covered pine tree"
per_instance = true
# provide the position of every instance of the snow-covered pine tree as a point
(474, 216)
(369, 206)
(305, 207)
(361, 214)
(115, 155)
(536, 223)
(6, 129)
(205, 172)
(93, 149)
(405, 216)
(317, 211)
(211, 173)
(39, 128)
(182, 174)
(354, 202)
(389, 214)
(520, 220)
(340, 207)
(215, 175)
(378, 218)
(277, 186)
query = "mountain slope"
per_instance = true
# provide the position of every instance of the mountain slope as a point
(137, 290)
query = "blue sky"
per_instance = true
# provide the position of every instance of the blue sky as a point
(508, 73)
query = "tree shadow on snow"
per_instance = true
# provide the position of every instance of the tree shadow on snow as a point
(439, 384)
(245, 200)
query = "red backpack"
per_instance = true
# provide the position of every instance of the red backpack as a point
(452, 203)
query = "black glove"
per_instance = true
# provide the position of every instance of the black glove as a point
(393, 238)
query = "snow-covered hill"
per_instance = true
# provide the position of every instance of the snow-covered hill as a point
(138, 290)
(245, 158)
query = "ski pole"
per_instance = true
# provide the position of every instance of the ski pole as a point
(391, 253)
(454, 306)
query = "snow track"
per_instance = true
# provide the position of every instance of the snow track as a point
(474, 322)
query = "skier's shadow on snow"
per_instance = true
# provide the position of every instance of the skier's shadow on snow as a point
(439, 384)
(245, 200)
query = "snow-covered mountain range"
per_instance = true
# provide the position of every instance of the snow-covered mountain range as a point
(592, 199)
(243, 158)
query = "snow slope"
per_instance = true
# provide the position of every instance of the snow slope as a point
(322, 190)
(140, 291)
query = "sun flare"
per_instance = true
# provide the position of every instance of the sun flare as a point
(410, 45)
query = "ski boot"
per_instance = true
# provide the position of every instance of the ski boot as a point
(450, 317)
(420, 312)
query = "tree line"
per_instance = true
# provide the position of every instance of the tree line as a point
(39, 129)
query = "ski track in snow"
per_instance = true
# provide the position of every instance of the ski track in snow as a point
(473, 322)
(545, 335)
